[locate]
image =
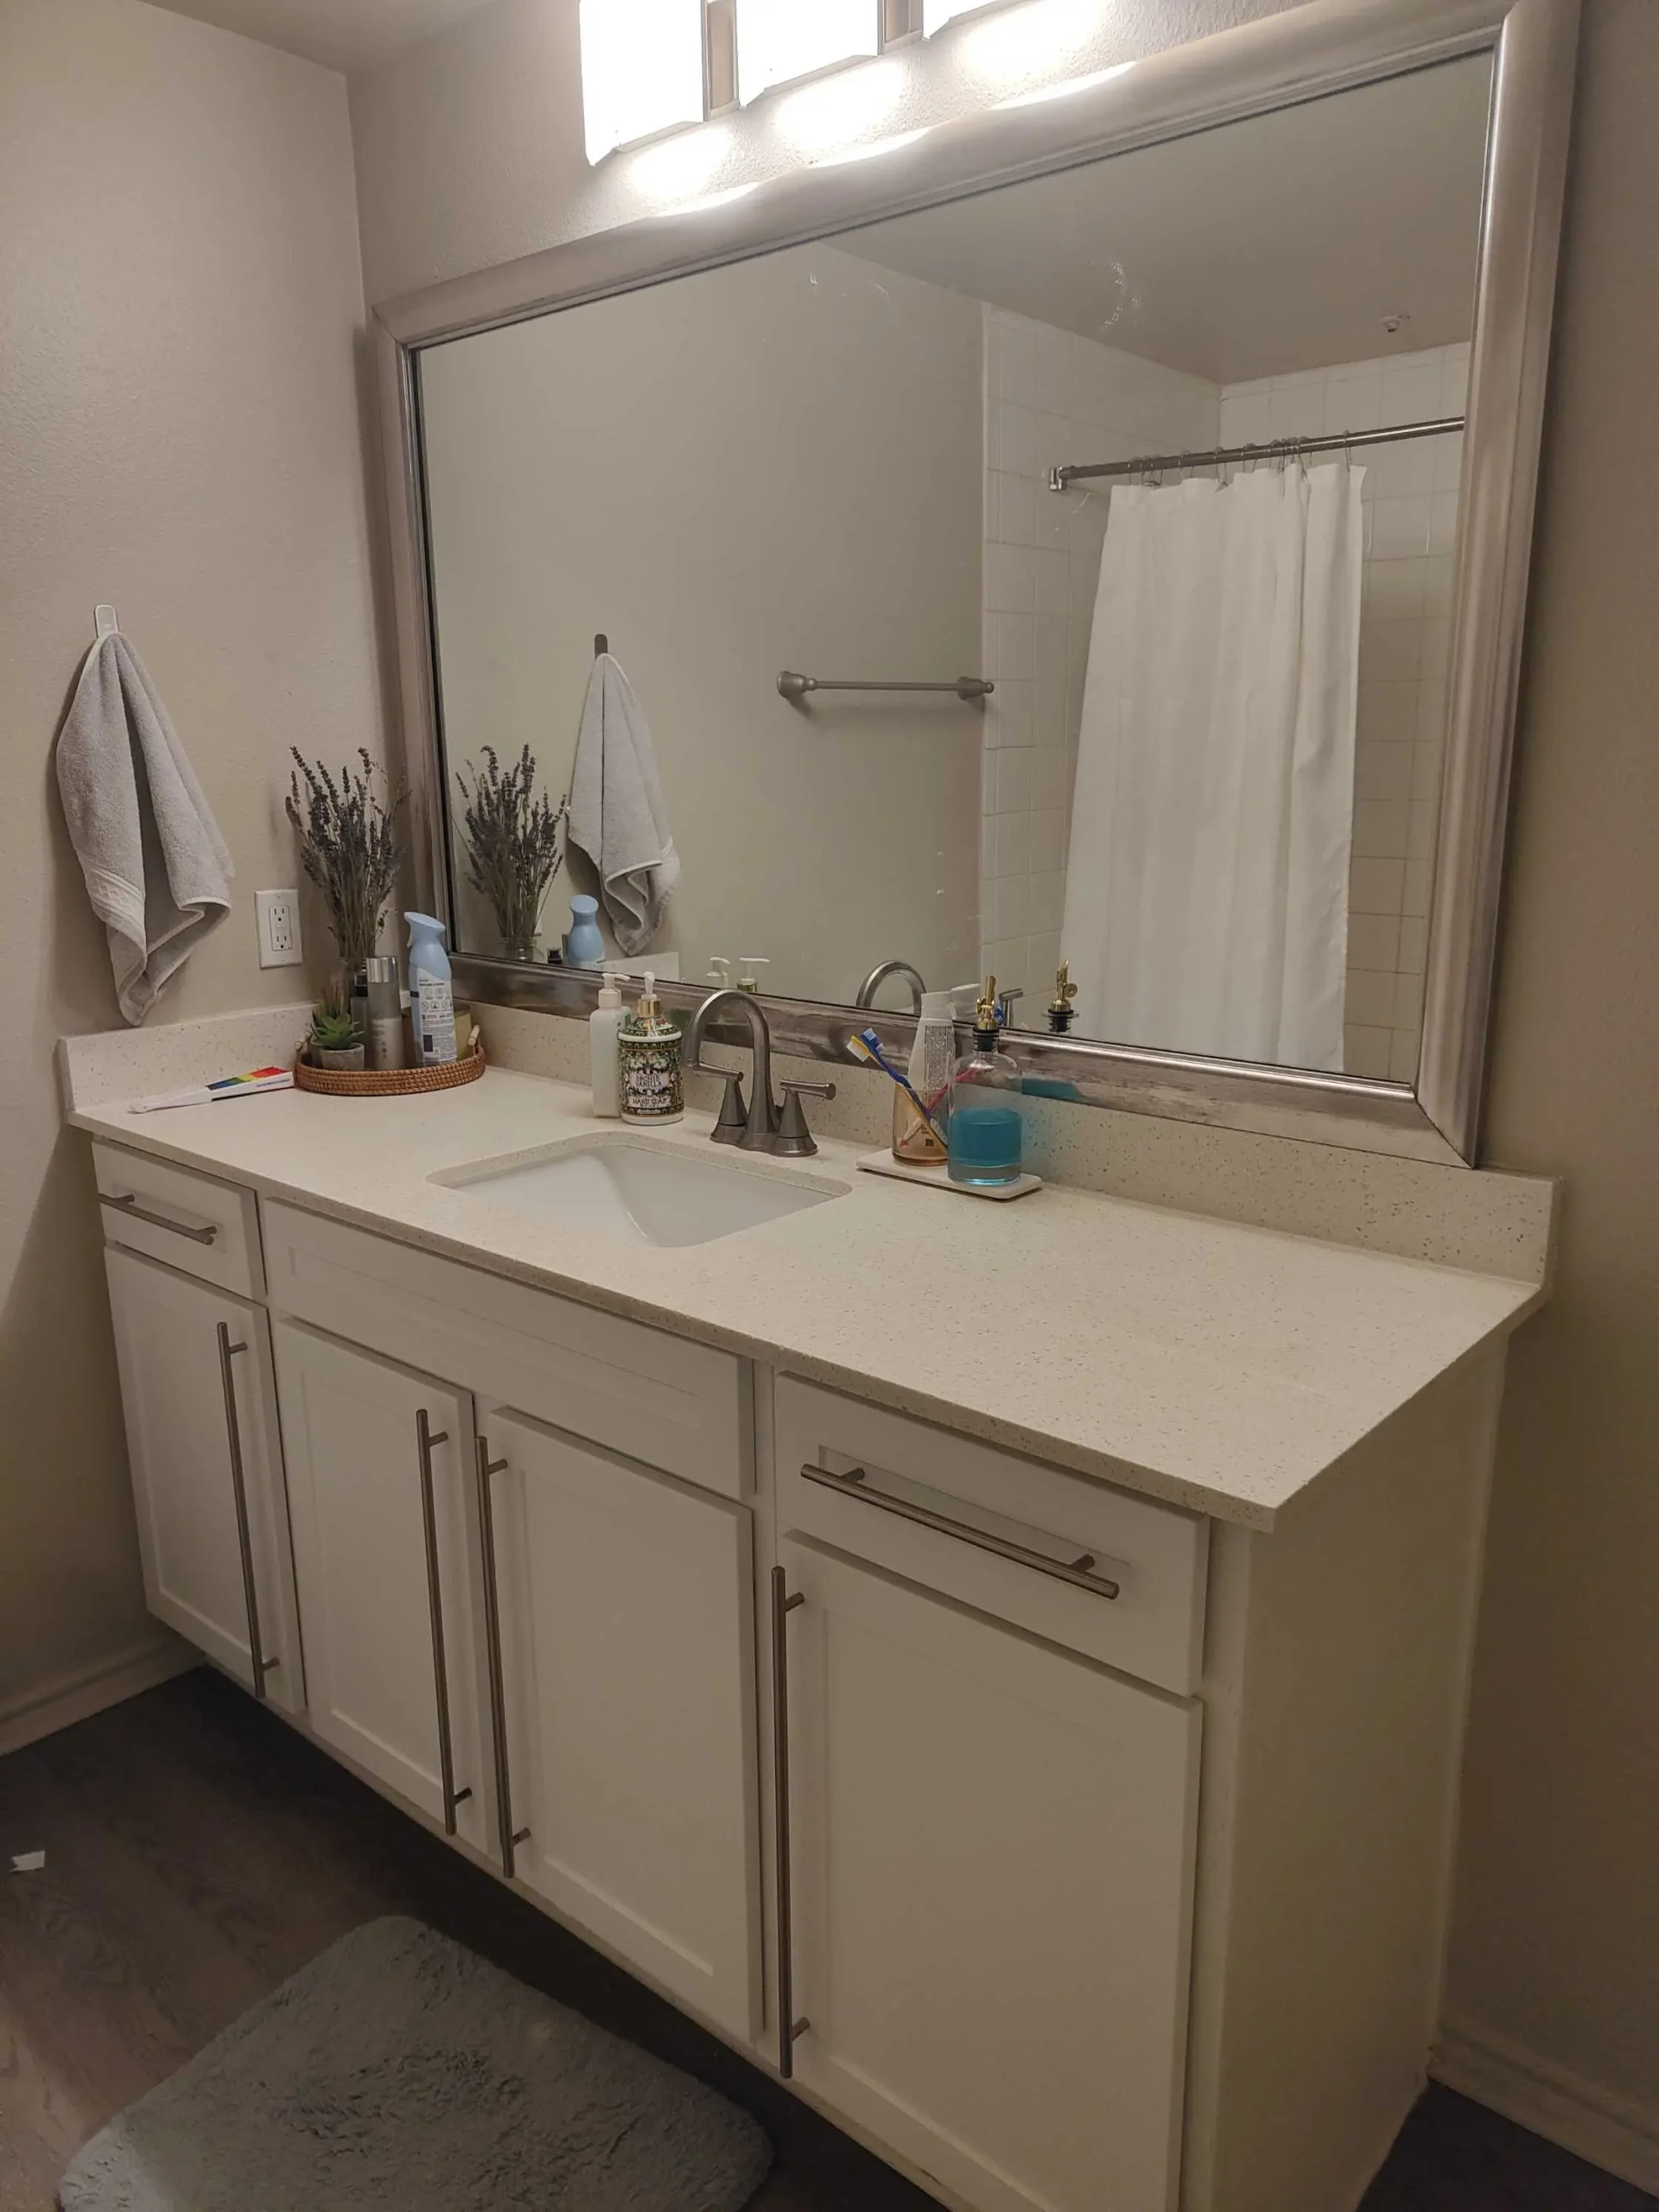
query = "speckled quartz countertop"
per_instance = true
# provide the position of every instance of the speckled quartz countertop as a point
(1220, 1366)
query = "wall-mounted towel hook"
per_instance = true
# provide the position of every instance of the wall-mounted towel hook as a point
(103, 617)
(601, 645)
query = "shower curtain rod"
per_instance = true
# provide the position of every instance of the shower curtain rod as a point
(1274, 449)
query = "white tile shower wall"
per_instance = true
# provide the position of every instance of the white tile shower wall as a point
(1410, 497)
(1049, 396)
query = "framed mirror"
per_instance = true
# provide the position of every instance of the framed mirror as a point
(1086, 545)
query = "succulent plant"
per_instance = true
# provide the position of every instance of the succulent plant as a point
(333, 1027)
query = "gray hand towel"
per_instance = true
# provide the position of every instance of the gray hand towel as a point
(156, 869)
(617, 815)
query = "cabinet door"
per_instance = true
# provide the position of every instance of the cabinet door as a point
(992, 1858)
(201, 1411)
(383, 1610)
(626, 1612)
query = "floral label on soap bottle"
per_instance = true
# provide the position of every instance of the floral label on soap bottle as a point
(651, 1077)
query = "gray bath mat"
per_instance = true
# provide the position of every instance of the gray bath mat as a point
(400, 2073)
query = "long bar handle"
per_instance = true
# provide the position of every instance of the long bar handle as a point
(790, 2029)
(227, 1352)
(426, 1439)
(125, 1202)
(1081, 1573)
(792, 686)
(509, 1837)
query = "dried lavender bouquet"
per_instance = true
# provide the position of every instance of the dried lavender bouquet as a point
(513, 845)
(348, 847)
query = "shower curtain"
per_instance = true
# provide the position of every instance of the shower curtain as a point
(1207, 891)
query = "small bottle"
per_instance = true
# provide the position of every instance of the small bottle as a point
(583, 945)
(1060, 1009)
(604, 1029)
(385, 1030)
(431, 992)
(932, 1058)
(648, 1047)
(985, 1133)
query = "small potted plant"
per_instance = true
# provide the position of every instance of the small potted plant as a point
(336, 1037)
(348, 847)
(513, 846)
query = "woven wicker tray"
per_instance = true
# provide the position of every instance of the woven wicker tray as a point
(389, 1083)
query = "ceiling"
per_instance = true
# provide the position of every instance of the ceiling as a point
(1257, 249)
(344, 35)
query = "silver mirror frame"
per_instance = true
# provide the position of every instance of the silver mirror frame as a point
(1301, 54)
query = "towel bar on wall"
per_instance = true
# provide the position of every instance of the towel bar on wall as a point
(965, 687)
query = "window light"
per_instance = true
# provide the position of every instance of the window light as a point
(780, 39)
(642, 70)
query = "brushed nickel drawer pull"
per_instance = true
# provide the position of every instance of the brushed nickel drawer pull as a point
(425, 1438)
(1080, 1572)
(790, 2029)
(227, 1351)
(126, 1203)
(509, 1837)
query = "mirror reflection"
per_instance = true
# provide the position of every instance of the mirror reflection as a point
(877, 614)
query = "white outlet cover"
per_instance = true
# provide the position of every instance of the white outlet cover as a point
(278, 914)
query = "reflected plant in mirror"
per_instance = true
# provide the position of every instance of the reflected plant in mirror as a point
(514, 838)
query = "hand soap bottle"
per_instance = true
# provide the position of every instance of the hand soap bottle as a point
(604, 1045)
(985, 1133)
(648, 1045)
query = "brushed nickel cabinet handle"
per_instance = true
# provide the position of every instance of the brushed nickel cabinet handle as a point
(508, 1838)
(1081, 1573)
(126, 1203)
(425, 1438)
(227, 1352)
(790, 2029)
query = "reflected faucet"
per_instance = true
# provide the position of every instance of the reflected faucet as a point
(766, 1127)
(873, 982)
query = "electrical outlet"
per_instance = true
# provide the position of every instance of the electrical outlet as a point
(279, 928)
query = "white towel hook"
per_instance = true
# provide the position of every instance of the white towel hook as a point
(105, 619)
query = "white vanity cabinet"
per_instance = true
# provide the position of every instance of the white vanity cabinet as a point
(990, 1842)
(1079, 1851)
(379, 1459)
(197, 1391)
(626, 1628)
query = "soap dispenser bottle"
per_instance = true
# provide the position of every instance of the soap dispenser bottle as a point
(985, 1134)
(604, 1047)
(648, 1045)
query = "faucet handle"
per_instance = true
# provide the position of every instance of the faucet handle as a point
(733, 1117)
(794, 1140)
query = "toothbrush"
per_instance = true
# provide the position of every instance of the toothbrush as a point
(867, 1046)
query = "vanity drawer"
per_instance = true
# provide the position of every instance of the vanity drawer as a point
(682, 1407)
(1005, 1534)
(201, 1227)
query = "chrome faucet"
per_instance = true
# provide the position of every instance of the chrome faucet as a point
(766, 1127)
(873, 982)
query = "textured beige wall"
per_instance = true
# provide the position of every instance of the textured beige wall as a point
(468, 152)
(180, 302)
(1557, 1944)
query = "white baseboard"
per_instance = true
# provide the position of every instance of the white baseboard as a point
(69, 1698)
(1611, 2132)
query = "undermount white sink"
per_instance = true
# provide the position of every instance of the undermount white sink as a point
(642, 1192)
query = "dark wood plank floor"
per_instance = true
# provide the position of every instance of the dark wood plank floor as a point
(198, 1851)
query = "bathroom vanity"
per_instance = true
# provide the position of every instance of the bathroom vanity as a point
(1004, 1667)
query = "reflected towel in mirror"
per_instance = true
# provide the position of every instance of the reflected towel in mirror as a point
(617, 815)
